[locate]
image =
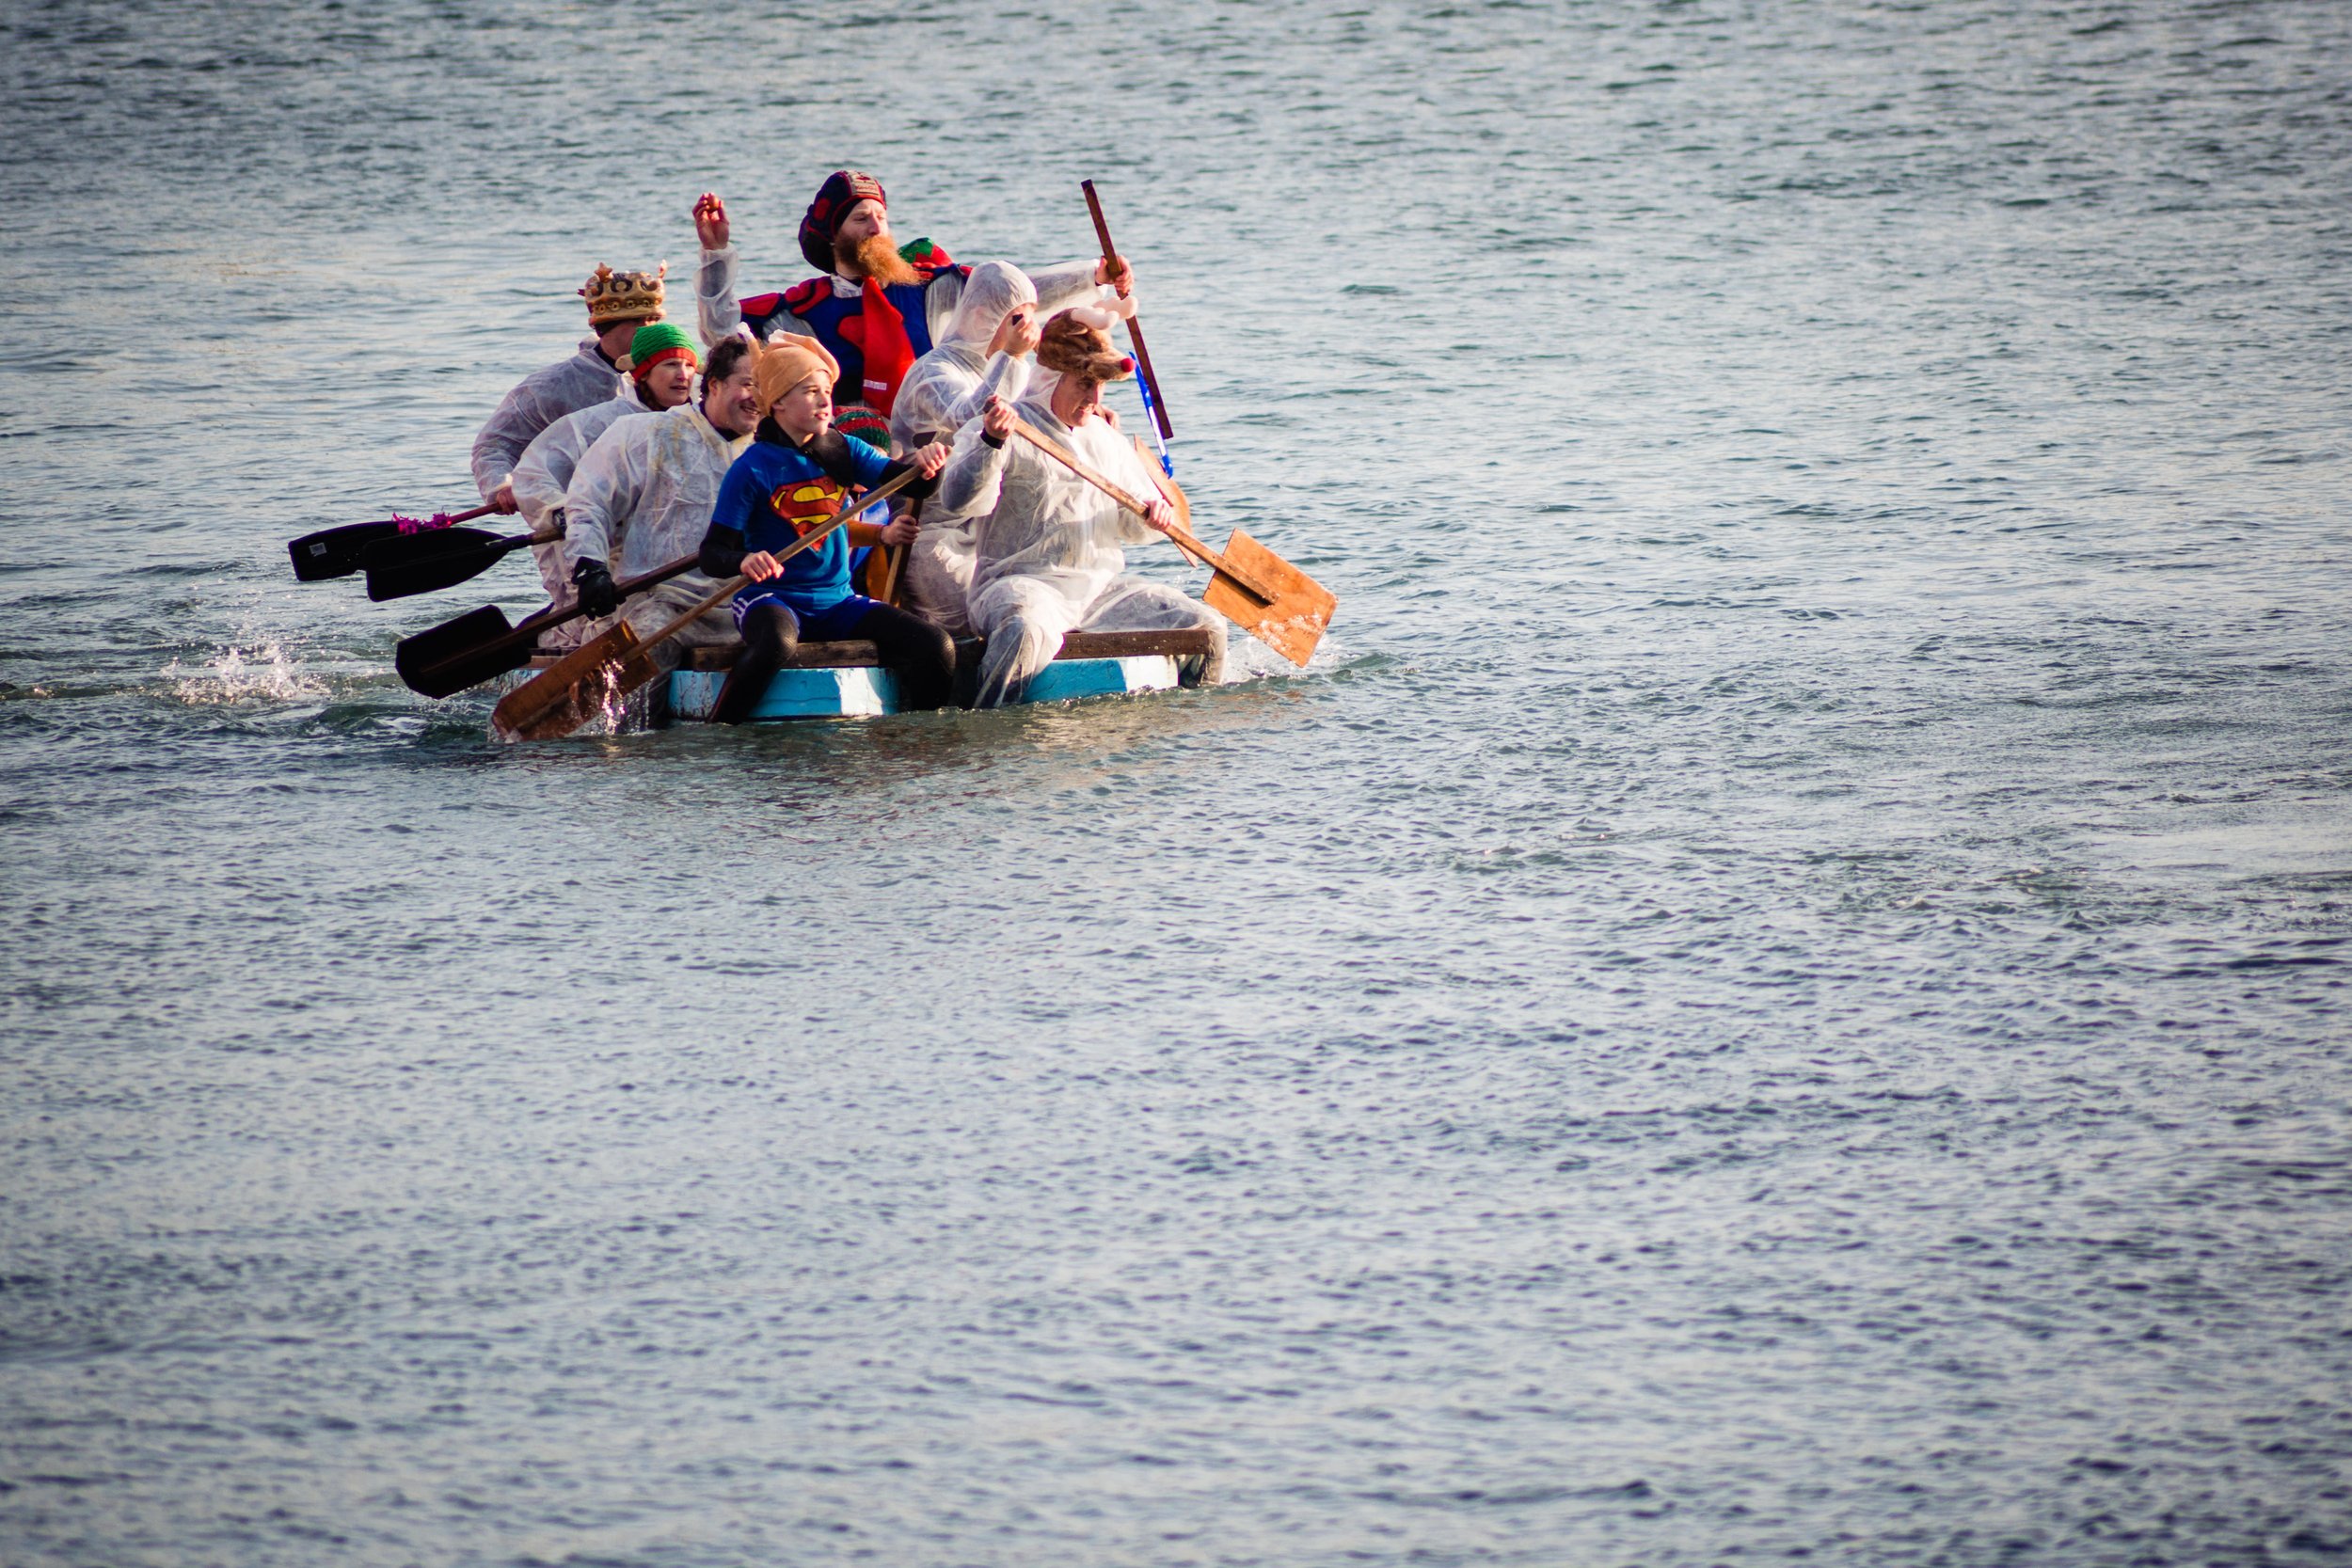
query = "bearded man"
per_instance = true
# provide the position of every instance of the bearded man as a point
(618, 304)
(877, 310)
(1050, 554)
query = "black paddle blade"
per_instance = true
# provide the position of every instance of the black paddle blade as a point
(334, 553)
(475, 647)
(428, 563)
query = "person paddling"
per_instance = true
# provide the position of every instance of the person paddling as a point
(797, 473)
(1049, 545)
(618, 304)
(875, 310)
(641, 497)
(662, 365)
(983, 353)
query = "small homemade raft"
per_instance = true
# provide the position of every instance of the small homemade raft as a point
(616, 675)
(844, 680)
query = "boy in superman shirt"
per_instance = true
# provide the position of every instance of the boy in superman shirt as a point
(797, 472)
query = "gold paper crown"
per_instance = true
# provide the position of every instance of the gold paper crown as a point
(620, 296)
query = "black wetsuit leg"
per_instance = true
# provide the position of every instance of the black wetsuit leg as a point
(919, 650)
(772, 633)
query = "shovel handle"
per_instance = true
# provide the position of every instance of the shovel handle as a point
(735, 585)
(440, 519)
(1178, 535)
(1157, 401)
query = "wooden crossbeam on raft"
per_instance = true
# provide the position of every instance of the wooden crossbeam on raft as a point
(1185, 642)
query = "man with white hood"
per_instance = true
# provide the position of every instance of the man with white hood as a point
(1049, 542)
(662, 365)
(643, 496)
(980, 356)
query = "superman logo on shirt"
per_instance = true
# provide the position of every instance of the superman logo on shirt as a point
(804, 504)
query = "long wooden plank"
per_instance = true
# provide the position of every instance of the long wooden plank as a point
(1186, 642)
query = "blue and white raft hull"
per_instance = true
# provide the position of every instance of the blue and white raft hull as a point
(842, 680)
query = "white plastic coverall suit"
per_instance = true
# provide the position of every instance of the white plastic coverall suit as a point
(540, 399)
(641, 497)
(943, 393)
(1050, 550)
(543, 473)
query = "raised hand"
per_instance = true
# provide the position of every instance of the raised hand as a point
(1018, 333)
(1114, 270)
(710, 221)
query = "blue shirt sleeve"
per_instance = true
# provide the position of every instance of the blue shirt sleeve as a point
(868, 463)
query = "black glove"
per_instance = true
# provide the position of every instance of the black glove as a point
(597, 595)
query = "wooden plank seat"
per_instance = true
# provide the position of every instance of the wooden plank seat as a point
(1190, 642)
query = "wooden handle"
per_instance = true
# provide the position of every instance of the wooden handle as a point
(734, 585)
(894, 560)
(1134, 328)
(1182, 539)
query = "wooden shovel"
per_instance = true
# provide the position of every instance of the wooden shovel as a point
(1255, 588)
(595, 677)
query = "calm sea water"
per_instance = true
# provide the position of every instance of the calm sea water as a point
(1776, 992)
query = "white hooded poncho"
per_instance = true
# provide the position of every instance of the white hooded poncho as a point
(1051, 547)
(545, 468)
(948, 386)
(540, 399)
(943, 393)
(641, 497)
(643, 492)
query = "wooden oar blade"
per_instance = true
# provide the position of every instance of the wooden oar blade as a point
(447, 658)
(427, 562)
(589, 680)
(1291, 612)
(334, 553)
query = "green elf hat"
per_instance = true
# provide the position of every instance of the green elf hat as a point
(659, 341)
(923, 256)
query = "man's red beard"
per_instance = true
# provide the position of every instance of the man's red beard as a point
(876, 258)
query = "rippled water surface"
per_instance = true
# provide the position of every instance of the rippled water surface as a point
(1776, 992)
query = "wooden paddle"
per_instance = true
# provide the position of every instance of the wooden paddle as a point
(594, 677)
(1154, 402)
(1255, 588)
(334, 553)
(482, 645)
(409, 563)
(894, 562)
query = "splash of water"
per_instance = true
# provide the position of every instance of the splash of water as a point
(238, 673)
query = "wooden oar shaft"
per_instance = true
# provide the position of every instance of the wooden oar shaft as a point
(1135, 327)
(734, 585)
(529, 627)
(1183, 540)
